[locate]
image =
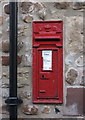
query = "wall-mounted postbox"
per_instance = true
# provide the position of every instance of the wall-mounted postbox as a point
(47, 62)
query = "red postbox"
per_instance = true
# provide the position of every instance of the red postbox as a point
(47, 61)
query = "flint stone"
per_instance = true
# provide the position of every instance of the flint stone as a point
(6, 9)
(27, 18)
(42, 13)
(46, 110)
(30, 110)
(79, 62)
(71, 76)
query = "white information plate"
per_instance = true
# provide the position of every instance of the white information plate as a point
(47, 59)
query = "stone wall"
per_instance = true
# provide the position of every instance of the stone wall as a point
(72, 14)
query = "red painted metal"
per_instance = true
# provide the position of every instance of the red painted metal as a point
(47, 72)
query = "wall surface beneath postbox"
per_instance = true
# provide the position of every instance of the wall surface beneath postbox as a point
(72, 14)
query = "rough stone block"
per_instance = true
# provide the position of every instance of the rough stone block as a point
(27, 59)
(25, 6)
(5, 60)
(24, 95)
(20, 45)
(4, 109)
(5, 93)
(61, 5)
(5, 85)
(78, 5)
(5, 46)
(1, 20)
(22, 30)
(75, 101)
(5, 73)
(74, 38)
(82, 83)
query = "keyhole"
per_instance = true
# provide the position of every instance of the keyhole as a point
(42, 76)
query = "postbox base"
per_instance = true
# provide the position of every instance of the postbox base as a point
(48, 101)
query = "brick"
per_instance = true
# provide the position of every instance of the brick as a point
(5, 60)
(6, 9)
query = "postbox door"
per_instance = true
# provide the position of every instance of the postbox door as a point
(48, 73)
